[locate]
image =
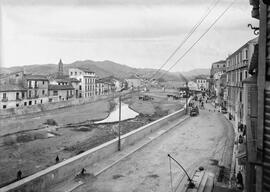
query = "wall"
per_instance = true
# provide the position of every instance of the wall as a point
(53, 175)
(22, 110)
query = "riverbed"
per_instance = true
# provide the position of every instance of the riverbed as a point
(126, 113)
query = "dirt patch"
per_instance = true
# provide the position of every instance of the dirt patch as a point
(153, 176)
(117, 176)
(214, 162)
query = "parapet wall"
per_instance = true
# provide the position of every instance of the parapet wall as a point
(43, 180)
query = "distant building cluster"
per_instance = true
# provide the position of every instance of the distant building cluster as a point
(19, 89)
(199, 84)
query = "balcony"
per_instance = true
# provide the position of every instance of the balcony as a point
(4, 100)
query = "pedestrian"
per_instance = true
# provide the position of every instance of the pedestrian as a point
(239, 180)
(57, 159)
(83, 171)
(19, 175)
(241, 139)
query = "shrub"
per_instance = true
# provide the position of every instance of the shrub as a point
(51, 122)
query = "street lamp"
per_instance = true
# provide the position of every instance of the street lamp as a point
(191, 184)
(119, 127)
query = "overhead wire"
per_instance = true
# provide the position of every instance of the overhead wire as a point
(207, 30)
(194, 28)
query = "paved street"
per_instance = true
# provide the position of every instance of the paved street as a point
(199, 141)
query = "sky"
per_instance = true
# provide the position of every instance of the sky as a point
(137, 33)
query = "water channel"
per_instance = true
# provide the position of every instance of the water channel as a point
(126, 113)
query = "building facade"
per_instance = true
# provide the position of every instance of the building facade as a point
(133, 81)
(202, 84)
(12, 96)
(60, 92)
(258, 95)
(87, 80)
(218, 67)
(37, 89)
(237, 71)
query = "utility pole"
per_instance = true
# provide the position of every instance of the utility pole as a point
(119, 127)
(187, 90)
(187, 97)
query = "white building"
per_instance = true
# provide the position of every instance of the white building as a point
(87, 80)
(133, 81)
(192, 86)
(202, 84)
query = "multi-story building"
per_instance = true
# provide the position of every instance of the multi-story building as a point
(19, 89)
(12, 90)
(202, 84)
(11, 96)
(192, 86)
(217, 69)
(133, 81)
(237, 70)
(87, 80)
(257, 91)
(60, 92)
(37, 89)
(104, 86)
(99, 87)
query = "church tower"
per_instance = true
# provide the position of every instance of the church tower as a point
(60, 68)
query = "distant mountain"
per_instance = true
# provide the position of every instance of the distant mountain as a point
(195, 73)
(105, 69)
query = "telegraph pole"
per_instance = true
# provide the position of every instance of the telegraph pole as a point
(187, 90)
(187, 97)
(119, 127)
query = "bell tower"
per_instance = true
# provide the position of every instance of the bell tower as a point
(60, 68)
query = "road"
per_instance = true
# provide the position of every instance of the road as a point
(199, 141)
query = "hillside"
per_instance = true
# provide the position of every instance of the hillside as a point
(106, 68)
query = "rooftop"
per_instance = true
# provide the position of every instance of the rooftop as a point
(85, 70)
(60, 87)
(252, 41)
(36, 77)
(218, 62)
(11, 88)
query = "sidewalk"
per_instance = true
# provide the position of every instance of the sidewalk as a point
(235, 167)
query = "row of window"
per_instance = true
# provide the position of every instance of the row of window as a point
(26, 103)
(89, 87)
(221, 65)
(34, 84)
(201, 81)
(237, 76)
(80, 73)
(89, 81)
(238, 58)
(89, 94)
(23, 94)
